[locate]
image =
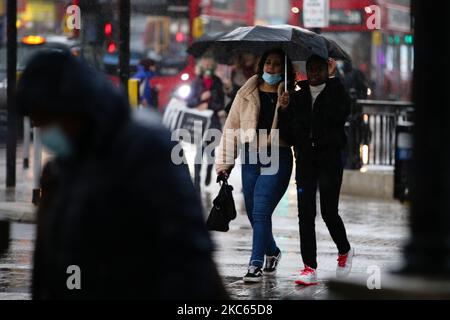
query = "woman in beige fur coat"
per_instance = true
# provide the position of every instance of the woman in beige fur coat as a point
(251, 129)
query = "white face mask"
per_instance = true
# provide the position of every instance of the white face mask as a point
(56, 141)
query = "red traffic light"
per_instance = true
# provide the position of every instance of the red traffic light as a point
(112, 47)
(179, 37)
(108, 29)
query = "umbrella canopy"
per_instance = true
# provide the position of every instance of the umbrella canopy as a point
(335, 51)
(204, 43)
(297, 42)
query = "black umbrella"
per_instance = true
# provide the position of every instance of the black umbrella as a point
(335, 51)
(205, 43)
(222, 45)
(298, 43)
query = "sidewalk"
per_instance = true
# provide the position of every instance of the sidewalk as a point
(377, 230)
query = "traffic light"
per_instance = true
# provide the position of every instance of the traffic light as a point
(179, 37)
(111, 46)
(409, 39)
(108, 29)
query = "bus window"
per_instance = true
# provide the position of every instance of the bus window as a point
(165, 40)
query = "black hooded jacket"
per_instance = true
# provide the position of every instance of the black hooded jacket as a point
(215, 103)
(300, 124)
(118, 207)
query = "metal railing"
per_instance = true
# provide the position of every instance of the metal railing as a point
(376, 123)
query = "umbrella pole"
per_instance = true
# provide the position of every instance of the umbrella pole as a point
(285, 72)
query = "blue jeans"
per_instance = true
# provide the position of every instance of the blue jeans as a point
(261, 195)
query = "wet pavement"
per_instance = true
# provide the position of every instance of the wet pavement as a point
(15, 266)
(377, 230)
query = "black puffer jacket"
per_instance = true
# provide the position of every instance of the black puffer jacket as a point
(118, 208)
(324, 122)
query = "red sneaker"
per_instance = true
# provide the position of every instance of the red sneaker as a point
(344, 265)
(308, 277)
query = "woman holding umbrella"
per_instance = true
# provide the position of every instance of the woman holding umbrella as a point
(253, 113)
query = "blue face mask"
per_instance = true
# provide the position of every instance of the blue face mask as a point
(56, 141)
(272, 79)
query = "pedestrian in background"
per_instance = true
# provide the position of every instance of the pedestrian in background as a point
(206, 94)
(114, 205)
(244, 67)
(312, 120)
(254, 109)
(354, 81)
(146, 70)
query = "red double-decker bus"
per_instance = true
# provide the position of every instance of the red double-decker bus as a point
(163, 30)
(385, 55)
(166, 33)
(347, 25)
(345, 15)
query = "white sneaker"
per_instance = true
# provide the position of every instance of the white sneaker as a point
(344, 264)
(308, 277)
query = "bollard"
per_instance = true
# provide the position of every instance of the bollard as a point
(403, 159)
(4, 235)
(133, 92)
(26, 142)
(37, 166)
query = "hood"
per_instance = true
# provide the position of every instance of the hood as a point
(57, 83)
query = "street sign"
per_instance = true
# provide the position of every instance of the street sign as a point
(316, 13)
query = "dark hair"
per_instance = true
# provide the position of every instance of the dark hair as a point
(147, 63)
(316, 58)
(290, 67)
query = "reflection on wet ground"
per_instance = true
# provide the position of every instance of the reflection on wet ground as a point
(15, 266)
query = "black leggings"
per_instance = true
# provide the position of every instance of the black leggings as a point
(322, 168)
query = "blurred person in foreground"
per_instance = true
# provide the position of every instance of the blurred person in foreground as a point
(113, 202)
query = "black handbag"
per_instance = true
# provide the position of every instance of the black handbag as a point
(223, 210)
